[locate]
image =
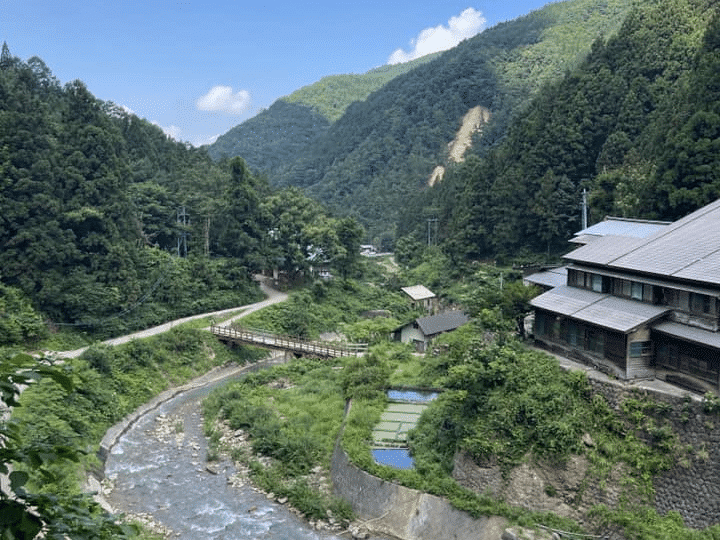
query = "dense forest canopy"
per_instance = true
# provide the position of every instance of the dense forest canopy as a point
(635, 125)
(289, 127)
(102, 212)
(381, 151)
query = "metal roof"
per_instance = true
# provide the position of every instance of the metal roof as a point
(418, 292)
(554, 277)
(686, 249)
(614, 226)
(443, 322)
(604, 250)
(689, 333)
(604, 310)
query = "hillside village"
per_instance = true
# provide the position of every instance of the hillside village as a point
(429, 220)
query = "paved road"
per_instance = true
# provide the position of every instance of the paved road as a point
(273, 297)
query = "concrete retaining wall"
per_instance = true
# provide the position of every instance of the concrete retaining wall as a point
(397, 511)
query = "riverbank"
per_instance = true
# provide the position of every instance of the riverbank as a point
(113, 435)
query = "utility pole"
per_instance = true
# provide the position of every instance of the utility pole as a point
(584, 210)
(207, 237)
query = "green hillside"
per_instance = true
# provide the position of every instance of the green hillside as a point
(636, 125)
(288, 128)
(332, 95)
(108, 225)
(381, 152)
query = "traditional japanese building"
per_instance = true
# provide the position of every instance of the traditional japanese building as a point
(643, 305)
(422, 297)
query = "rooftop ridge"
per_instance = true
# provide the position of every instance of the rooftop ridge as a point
(682, 222)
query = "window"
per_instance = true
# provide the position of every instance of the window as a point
(621, 287)
(575, 278)
(596, 341)
(540, 324)
(699, 303)
(640, 348)
(626, 288)
(636, 291)
(597, 283)
(571, 333)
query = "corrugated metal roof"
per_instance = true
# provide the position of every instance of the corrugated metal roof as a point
(635, 228)
(598, 309)
(418, 292)
(443, 322)
(565, 300)
(689, 333)
(687, 249)
(554, 277)
(604, 250)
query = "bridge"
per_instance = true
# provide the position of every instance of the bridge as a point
(268, 340)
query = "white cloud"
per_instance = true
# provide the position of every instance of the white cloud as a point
(171, 131)
(222, 99)
(441, 38)
(202, 141)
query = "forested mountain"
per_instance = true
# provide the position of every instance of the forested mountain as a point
(289, 127)
(383, 149)
(107, 224)
(637, 125)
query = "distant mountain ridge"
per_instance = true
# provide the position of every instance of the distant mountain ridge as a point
(376, 156)
(290, 124)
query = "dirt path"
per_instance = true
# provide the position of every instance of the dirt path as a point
(273, 297)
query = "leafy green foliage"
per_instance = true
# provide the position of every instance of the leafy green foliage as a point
(24, 511)
(19, 322)
(325, 307)
(292, 414)
(635, 125)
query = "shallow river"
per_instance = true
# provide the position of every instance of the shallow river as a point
(158, 467)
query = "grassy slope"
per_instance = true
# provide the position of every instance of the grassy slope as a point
(332, 95)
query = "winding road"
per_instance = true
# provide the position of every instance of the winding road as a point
(273, 297)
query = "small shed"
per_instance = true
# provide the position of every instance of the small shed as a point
(422, 297)
(423, 330)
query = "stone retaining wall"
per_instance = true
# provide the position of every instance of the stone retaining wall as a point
(692, 487)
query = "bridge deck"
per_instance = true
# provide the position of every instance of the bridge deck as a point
(268, 340)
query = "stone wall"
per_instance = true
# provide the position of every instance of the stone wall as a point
(691, 488)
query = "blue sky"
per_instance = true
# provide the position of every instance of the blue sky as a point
(198, 68)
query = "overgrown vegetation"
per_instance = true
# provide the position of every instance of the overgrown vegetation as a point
(328, 306)
(60, 419)
(292, 414)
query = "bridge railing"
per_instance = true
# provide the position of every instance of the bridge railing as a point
(263, 338)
